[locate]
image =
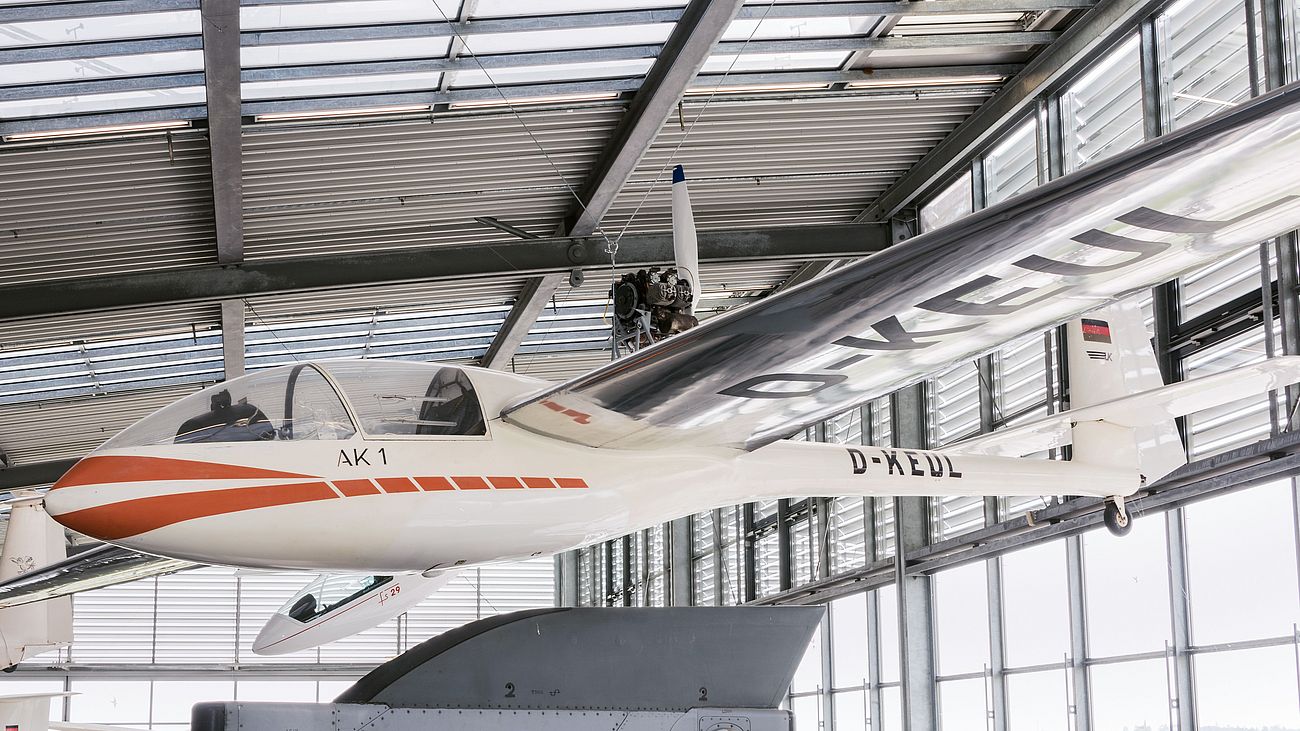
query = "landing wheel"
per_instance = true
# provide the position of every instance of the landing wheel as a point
(10, 669)
(1117, 519)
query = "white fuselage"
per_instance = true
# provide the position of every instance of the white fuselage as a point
(370, 504)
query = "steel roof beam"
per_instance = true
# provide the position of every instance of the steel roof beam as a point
(294, 104)
(104, 49)
(221, 73)
(172, 81)
(533, 256)
(694, 38)
(1085, 39)
(537, 292)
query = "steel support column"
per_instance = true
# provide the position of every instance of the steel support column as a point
(221, 79)
(693, 39)
(1184, 692)
(997, 628)
(1081, 702)
(680, 568)
(566, 565)
(537, 292)
(915, 610)
(232, 337)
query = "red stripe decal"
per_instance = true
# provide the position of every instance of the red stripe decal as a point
(470, 483)
(506, 483)
(132, 517)
(573, 482)
(397, 484)
(537, 483)
(109, 469)
(356, 488)
(434, 483)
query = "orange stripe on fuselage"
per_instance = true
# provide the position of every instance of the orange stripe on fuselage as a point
(131, 517)
(106, 469)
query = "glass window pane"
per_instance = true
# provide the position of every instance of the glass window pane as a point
(887, 612)
(807, 712)
(950, 205)
(1038, 701)
(891, 707)
(554, 39)
(340, 85)
(1101, 112)
(174, 699)
(1126, 585)
(1129, 695)
(110, 702)
(297, 691)
(1036, 605)
(962, 705)
(1247, 689)
(962, 618)
(776, 28)
(1224, 536)
(849, 641)
(507, 8)
(851, 711)
(1224, 280)
(1011, 167)
(1203, 58)
(1238, 423)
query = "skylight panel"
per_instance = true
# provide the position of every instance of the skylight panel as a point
(345, 12)
(801, 61)
(144, 64)
(99, 28)
(509, 8)
(115, 101)
(340, 85)
(300, 54)
(554, 72)
(565, 38)
(786, 28)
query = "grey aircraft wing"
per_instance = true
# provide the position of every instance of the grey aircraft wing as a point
(1117, 227)
(95, 568)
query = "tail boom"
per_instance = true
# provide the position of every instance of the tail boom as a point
(803, 469)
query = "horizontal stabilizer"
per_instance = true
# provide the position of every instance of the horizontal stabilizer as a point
(93, 569)
(1141, 409)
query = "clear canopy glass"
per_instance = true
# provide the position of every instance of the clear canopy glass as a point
(328, 593)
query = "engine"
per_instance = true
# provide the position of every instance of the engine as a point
(650, 305)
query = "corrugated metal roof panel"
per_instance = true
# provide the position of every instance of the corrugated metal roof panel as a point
(124, 205)
(791, 161)
(49, 430)
(355, 188)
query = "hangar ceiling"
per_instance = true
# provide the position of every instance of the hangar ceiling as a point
(358, 144)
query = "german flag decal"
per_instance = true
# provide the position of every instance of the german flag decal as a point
(1096, 331)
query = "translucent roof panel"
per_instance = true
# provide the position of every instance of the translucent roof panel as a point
(340, 85)
(779, 28)
(485, 44)
(949, 24)
(144, 64)
(347, 12)
(147, 99)
(554, 72)
(101, 28)
(297, 54)
(802, 61)
(510, 8)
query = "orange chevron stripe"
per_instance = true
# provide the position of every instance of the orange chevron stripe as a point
(132, 517)
(108, 469)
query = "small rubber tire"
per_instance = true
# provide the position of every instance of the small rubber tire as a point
(9, 669)
(1115, 523)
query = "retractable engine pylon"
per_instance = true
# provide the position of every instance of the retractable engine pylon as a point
(696, 668)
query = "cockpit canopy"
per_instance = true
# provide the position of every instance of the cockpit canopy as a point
(319, 401)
